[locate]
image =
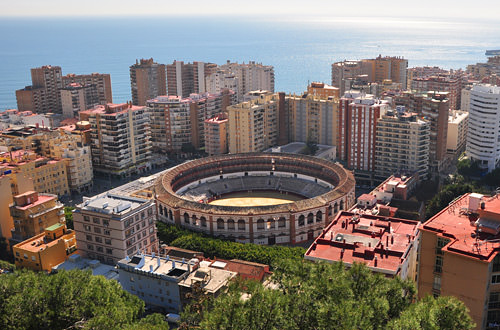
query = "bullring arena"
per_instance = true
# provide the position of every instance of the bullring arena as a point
(262, 198)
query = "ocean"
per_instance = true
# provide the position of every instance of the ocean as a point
(301, 50)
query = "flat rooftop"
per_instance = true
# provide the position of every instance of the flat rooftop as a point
(379, 242)
(39, 242)
(112, 204)
(457, 222)
(76, 261)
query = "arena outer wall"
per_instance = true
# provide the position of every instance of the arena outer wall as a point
(291, 223)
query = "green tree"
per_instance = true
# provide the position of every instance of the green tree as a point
(74, 298)
(68, 214)
(443, 313)
(325, 296)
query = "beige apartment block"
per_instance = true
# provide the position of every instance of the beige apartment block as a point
(251, 76)
(253, 126)
(120, 138)
(457, 132)
(313, 116)
(401, 144)
(110, 227)
(216, 135)
(102, 81)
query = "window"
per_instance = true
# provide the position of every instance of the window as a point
(97, 230)
(107, 232)
(494, 301)
(281, 222)
(260, 224)
(441, 242)
(86, 218)
(33, 258)
(241, 224)
(109, 251)
(301, 220)
(132, 279)
(105, 222)
(230, 224)
(437, 282)
(220, 224)
(496, 263)
(100, 249)
(88, 237)
(495, 279)
(87, 228)
(96, 220)
(107, 241)
(90, 247)
(438, 265)
(98, 239)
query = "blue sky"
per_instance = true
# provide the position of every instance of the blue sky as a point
(487, 9)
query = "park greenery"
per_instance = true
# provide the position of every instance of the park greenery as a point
(308, 295)
(213, 247)
(70, 300)
(68, 214)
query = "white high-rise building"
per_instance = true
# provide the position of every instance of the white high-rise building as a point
(483, 136)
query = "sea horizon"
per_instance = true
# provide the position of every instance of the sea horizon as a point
(301, 50)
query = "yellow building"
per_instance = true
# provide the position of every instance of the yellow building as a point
(48, 175)
(313, 118)
(323, 90)
(10, 185)
(253, 126)
(33, 212)
(46, 250)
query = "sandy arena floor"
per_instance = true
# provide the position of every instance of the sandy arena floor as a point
(257, 198)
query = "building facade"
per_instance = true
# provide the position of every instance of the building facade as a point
(483, 144)
(121, 140)
(251, 76)
(102, 81)
(457, 132)
(401, 144)
(184, 79)
(46, 250)
(77, 97)
(33, 212)
(216, 135)
(147, 80)
(459, 256)
(111, 227)
(358, 117)
(253, 126)
(43, 94)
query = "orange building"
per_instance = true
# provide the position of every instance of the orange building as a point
(216, 135)
(385, 245)
(459, 256)
(46, 250)
(33, 212)
(323, 90)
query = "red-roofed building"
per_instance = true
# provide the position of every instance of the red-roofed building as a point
(245, 269)
(386, 245)
(460, 257)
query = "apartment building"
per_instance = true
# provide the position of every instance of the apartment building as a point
(48, 174)
(33, 212)
(10, 186)
(43, 95)
(313, 116)
(46, 250)
(179, 122)
(111, 227)
(77, 156)
(323, 91)
(373, 70)
(483, 144)
(221, 80)
(358, 117)
(423, 72)
(254, 126)
(251, 76)
(459, 256)
(444, 83)
(163, 282)
(77, 97)
(120, 138)
(102, 81)
(401, 144)
(216, 134)
(147, 80)
(184, 79)
(457, 132)
(434, 107)
(386, 245)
